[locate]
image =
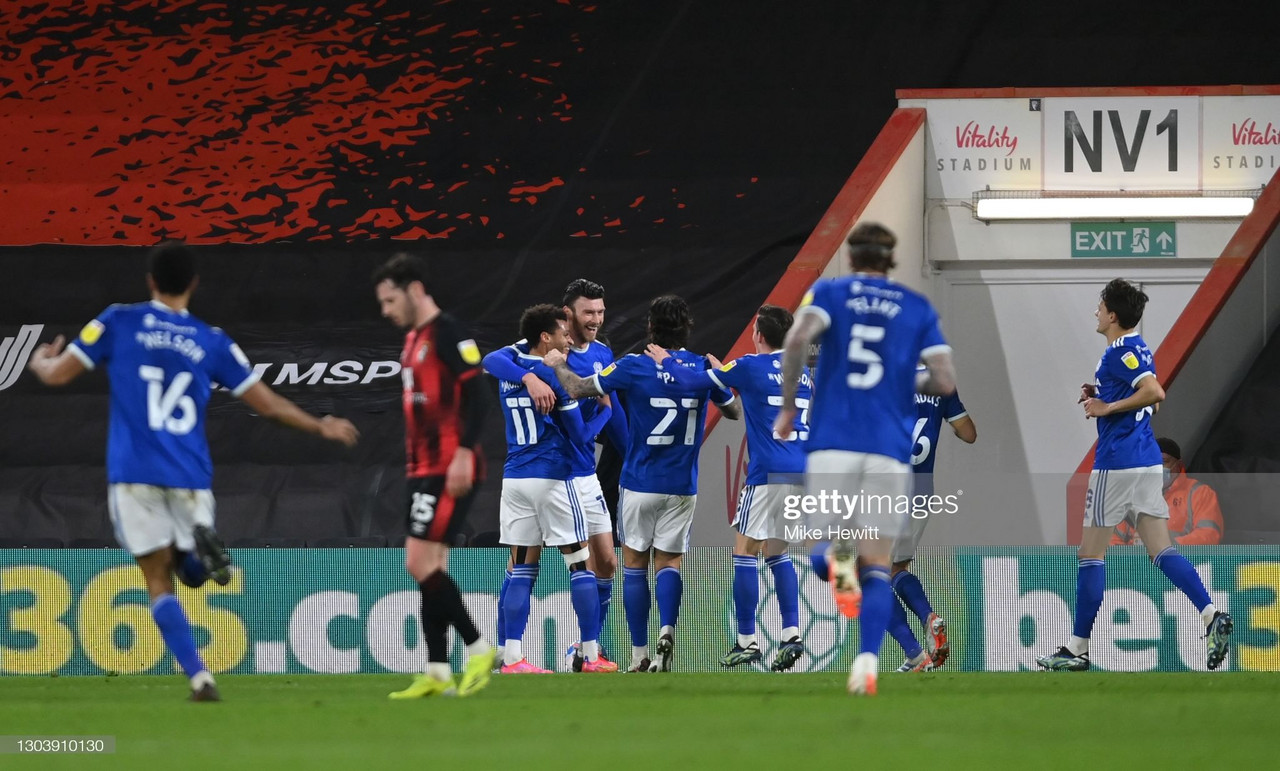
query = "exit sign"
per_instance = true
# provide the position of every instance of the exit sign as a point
(1124, 239)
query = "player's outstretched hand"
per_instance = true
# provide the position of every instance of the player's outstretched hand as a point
(784, 425)
(656, 352)
(554, 359)
(1087, 391)
(715, 363)
(47, 351)
(544, 398)
(339, 430)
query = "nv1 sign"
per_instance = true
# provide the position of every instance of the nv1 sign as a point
(1124, 239)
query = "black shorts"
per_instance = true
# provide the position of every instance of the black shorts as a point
(433, 514)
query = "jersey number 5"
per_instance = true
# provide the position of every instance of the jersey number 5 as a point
(163, 402)
(858, 354)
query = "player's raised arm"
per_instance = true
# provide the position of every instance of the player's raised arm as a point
(810, 322)
(502, 365)
(578, 388)
(685, 377)
(55, 365)
(939, 377)
(271, 405)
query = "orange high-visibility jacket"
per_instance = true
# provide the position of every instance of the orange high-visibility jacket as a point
(1194, 516)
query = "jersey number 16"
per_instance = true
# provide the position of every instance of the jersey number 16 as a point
(163, 402)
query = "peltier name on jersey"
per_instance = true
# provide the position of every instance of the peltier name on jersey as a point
(886, 308)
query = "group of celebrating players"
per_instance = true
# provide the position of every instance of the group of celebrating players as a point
(559, 387)
(866, 418)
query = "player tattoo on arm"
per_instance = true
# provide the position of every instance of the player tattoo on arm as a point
(577, 387)
(732, 410)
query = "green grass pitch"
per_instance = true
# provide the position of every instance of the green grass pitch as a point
(1032, 720)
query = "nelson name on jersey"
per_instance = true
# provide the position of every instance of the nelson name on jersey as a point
(157, 339)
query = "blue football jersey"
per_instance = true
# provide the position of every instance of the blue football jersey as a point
(162, 365)
(538, 446)
(758, 380)
(876, 331)
(931, 413)
(506, 363)
(666, 420)
(1125, 439)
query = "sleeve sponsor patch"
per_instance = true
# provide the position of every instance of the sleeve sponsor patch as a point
(608, 370)
(729, 366)
(469, 351)
(1130, 360)
(92, 332)
(807, 299)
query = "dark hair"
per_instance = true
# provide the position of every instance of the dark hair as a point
(402, 270)
(172, 266)
(670, 321)
(581, 287)
(537, 319)
(1125, 300)
(772, 322)
(1169, 447)
(871, 247)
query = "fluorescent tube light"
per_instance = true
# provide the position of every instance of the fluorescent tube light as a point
(1113, 207)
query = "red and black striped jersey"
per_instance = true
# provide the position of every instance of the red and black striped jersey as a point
(437, 360)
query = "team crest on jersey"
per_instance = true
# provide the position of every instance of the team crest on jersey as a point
(423, 351)
(1130, 360)
(595, 365)
(605, 372)
(92, 332)
(470, 352)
